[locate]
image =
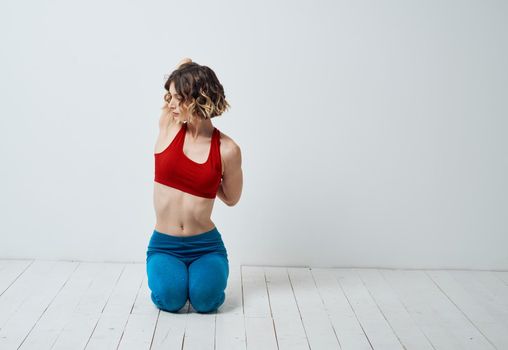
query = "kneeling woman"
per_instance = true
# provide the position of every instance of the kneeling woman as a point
(194, 163)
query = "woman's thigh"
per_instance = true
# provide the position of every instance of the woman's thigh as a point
(208, 277)
(168, 280)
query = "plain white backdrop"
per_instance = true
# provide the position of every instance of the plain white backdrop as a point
(373, 133)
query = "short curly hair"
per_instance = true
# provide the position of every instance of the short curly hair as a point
(202, 93)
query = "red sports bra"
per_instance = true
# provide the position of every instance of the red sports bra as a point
(173, 168)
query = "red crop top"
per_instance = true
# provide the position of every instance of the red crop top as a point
(173, 168)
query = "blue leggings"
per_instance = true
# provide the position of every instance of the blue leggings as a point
(193, 267)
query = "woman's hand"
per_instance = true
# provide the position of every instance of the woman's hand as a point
(166, 117)
(183, 61)
(165, 108)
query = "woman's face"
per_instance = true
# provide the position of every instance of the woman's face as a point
(174, 102)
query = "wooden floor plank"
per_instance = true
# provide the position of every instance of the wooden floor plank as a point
(486, 297)
(230, 320)
(170, 329)
(86, 314)
(113, 320)
(259, 326)
(317, 323)
(475, 312)
(59, 313)
(445, 326)
(83, 305)
(502, 275)
(141, 324)
(497, 288)
(16, 329)
(379, 331)
(10, 270)
(26, 284)
(406, 329)
(350, 333)
(288, 323)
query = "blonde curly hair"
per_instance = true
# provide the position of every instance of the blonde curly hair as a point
(202, 93)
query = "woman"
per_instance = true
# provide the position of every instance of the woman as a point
(194, 163)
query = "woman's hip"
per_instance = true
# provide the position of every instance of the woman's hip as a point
(187, 247)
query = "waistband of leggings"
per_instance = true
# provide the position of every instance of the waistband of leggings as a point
(211, 234)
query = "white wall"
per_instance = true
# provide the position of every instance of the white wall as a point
(373, 133)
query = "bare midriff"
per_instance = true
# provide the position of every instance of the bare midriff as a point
(179, 213)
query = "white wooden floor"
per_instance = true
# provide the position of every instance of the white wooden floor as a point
(78, 305)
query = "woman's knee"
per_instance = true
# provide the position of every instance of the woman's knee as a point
(206, 300)
(168, 282)
(171, 302)
(207, 282)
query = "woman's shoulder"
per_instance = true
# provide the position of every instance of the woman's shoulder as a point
(229, 149)
(227, 141)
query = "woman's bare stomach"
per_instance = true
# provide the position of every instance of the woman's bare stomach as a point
(179, 213)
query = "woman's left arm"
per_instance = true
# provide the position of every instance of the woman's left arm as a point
(230, 189)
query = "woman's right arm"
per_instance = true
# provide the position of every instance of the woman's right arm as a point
(166, 119)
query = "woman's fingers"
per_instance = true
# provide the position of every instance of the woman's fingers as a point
(184, 60)
(165, 105)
